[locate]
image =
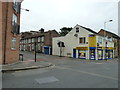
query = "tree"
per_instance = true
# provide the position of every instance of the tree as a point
(64, 31)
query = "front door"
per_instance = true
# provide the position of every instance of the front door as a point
(74, 53)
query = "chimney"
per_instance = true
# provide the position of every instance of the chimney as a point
(41, 30)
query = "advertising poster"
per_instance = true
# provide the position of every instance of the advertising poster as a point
(82, 54)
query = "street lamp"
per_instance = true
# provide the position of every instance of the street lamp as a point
(35, 47)
(25, 9)
(105, 36)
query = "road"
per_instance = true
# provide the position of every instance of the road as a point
(67, 73)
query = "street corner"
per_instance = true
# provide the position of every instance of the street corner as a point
(28, 66)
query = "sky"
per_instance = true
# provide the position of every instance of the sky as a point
(55, 14)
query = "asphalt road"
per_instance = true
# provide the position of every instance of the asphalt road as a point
(67, 73)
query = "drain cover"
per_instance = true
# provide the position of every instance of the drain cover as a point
(46, 80)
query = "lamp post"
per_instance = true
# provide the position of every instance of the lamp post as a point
(35, 47)
(105, 39)
(25, 9)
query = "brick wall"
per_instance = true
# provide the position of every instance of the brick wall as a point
(0, 32)
(11, 55)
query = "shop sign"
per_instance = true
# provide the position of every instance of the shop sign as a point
(82, 48)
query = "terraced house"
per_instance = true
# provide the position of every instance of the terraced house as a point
(42, 40)
(84, 43)
(10, 30)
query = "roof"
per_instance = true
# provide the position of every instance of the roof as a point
(37, 33)
(113, 34)
(90, 30)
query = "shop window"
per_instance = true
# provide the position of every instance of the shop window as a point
(82, 54)
(13, 44)
(82, 40)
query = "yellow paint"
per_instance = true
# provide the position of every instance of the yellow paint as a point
(103, 48)
(92, 41)
(82, 48)
(110, 48)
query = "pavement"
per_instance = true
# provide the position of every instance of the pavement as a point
(25, 65)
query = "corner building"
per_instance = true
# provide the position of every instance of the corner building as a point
(84, 43)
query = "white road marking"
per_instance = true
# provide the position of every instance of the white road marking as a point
(93, 74)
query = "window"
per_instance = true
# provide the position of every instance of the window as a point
(32, 47)
(82, 40)
(42, 39)
(13, 44)
(100, 40)
(15, 26)
(26, 41)
(16, 5)
(29, 41)
(38, 39)
(77, 30)
(33, 40)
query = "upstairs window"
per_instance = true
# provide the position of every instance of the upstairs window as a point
(29, 40)
(100, 40)
(16, 5)
(42, 38)
(77, 30)
(82, 40)
(33, 39)
(38, 39)
(15, 26)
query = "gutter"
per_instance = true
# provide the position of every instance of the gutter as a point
(5, 37)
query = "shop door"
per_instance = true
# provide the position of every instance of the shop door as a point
(74, 53)
(92, 54)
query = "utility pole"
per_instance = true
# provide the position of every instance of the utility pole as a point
(60, 49)
(105, 39)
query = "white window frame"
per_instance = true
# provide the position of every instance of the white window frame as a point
(13, 46)
(42, 38)
(83, 41)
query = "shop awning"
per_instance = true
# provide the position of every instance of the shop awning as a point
(82, 48)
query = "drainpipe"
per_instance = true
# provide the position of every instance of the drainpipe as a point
(5, 37)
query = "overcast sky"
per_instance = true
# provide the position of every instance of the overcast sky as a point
(55, 14)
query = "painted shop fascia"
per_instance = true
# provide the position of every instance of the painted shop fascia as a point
(84, 43)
